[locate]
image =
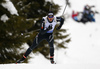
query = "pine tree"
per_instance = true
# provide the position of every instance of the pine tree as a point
(12, 36)
(3, 50)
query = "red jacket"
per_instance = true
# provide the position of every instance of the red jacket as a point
(74, 14)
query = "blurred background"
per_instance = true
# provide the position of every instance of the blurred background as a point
(77, 42)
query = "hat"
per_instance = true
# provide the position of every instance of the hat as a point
(50, 14)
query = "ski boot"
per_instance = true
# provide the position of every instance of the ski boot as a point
(52, 60)
(21, 60)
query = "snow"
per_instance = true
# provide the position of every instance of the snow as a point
(10, 7)
(84, 47)
(83, 51)
(4, 18)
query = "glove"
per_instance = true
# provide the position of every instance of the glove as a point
(50, 27)
(62, 21)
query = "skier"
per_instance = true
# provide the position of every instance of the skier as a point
(88, 14)
(46, 32)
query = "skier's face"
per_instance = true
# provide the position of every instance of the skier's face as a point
(50, 17)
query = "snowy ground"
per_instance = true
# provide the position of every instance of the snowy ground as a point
(83, 51)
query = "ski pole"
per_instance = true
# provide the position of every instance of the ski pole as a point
(64, 9)
(36, 30)
(50, 9)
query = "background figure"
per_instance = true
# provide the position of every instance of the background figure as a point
(88, 14)
(74, 15)
(91, 16)
(77, 16)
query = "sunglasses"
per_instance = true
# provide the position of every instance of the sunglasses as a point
(50, 16)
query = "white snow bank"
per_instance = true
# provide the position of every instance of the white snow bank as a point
(46, 66)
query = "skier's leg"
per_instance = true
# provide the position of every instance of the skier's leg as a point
(51, 47)
(29, 50)
(51, 51)
(51, 42)
(34, 45)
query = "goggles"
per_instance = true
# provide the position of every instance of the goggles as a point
(50, 15)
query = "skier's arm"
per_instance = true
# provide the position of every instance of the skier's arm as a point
(92, 6)
(61, 20)
(42, 31)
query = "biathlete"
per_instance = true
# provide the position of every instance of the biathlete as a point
(46, 32)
